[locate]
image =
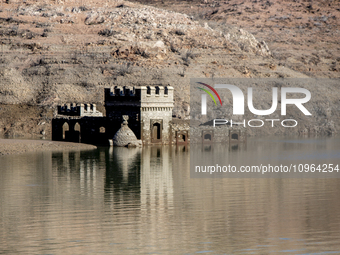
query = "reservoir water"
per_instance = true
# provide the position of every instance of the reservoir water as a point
(144, 201)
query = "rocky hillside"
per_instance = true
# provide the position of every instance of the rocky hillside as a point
(53, 52)
(301, 34)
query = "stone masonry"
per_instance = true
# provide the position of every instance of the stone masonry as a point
(149, 111)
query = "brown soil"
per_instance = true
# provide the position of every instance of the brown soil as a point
(56, 52)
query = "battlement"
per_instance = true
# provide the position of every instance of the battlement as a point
(124, 91)
(157, 91)
(157, 96)
(73, 109)
(143, 94)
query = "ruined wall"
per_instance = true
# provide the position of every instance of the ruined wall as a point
(180, 131)
(219, 134)
(73, 109)
(91, 130)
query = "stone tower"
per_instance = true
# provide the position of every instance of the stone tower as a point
(149, 110)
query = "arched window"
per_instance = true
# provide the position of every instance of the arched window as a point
(207, 137)
(65, 128)
(234, 136)
(77, 127)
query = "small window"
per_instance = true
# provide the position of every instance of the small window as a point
(157, 90)
(148, 90)
(165, 90)
(234, 136)
(207, 137)
(102, 130)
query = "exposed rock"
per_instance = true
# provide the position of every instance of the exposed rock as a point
(94, 19)
(247, 42)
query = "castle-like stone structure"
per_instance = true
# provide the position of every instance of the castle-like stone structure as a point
(149, 114)
(149, 110)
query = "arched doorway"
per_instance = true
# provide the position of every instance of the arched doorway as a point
(235, 136)
(156, 132)
(77, 133)
(207, 136)
(181, 137)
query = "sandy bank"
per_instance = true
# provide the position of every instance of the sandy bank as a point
(13, 146)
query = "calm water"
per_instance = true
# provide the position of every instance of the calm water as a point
(143, 201)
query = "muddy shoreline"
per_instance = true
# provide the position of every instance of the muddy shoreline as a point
(16, 146)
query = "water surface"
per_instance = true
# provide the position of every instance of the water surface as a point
(143, 201)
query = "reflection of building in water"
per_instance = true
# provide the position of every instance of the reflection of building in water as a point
(126, 160)
(140, 174)
(156, 178)
(80, 169)
(122, 181)
(146, 202)
(139, 189)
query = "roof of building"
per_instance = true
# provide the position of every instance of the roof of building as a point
(124, 135)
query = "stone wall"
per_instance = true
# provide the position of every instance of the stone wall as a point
(219, 134)
(74, 109)
(154, 118)
(156, 114)
(91, 130)
(157, 96)
(150, 118)
(180, 131)
(149, 110)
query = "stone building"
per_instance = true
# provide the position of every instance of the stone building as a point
(149, 110)
(149, 114)
(79, 123)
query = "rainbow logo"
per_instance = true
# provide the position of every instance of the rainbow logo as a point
(209, 93)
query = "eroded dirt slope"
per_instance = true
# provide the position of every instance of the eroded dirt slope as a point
(54, 52)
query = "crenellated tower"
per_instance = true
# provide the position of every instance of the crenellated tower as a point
(149, 110)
